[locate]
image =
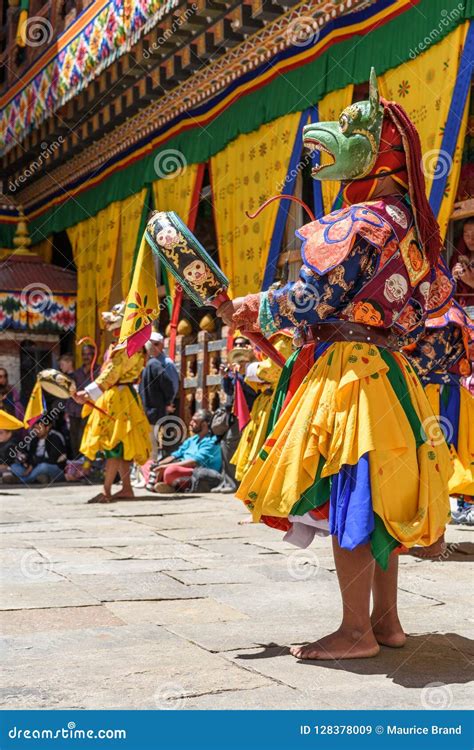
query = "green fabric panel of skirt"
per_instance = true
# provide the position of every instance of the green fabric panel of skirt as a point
(116, 452)
(316, 495)
(443, 397)
(280, 392)
(398, 383)
(382, 543)
(390, 45)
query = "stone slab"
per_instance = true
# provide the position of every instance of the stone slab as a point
(132, 586)
(43, 595)
(140, 667)
(191, 611)
(19, 622)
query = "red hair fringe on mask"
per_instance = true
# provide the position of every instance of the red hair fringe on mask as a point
(425, 220)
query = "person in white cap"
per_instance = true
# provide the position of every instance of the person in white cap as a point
(158, 387)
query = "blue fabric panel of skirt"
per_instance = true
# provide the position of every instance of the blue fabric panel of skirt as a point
(351, 517)
(449, 409)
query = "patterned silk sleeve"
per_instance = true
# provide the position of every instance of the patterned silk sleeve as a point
(314, 298)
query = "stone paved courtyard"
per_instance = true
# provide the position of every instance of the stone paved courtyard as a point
(172, 603)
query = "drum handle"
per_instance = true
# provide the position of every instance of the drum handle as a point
(255, 337)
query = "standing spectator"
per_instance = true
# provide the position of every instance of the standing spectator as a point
(238, 359)
(45, 457)
(462, 267)
(157, 389)
(82, 378)
(9, 397)
(174, 472)
(156, 350)
(66, 364)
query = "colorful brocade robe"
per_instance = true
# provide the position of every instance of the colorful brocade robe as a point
(362, 264)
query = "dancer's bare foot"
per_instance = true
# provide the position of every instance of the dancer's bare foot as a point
(432, 552)
(124, 494)
(339, 645)
(101, 498)
(387, 630)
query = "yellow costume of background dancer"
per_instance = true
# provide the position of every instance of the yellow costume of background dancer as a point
(122, 433)
(253, 436)
(125, 433)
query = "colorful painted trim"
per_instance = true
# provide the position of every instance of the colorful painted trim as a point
(103, 32)
(51, 313)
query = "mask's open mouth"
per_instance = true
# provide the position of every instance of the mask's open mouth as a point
(313, 145)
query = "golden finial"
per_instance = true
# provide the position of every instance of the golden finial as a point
(22, 239)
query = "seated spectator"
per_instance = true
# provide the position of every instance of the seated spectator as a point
(8, 446)
(174, 472)
(44, 459)
(9, 396)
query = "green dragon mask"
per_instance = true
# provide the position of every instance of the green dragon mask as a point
(352, 141)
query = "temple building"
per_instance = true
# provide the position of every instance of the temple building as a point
(110, 109)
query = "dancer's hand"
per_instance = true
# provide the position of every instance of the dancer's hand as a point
(81, 397)
(229, 309)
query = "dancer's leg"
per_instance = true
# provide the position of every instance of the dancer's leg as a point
(354, 638)
(127, 490)
(385, 623)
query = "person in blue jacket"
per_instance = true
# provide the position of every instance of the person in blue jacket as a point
(202, 449)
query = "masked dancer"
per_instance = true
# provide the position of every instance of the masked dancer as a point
(122, 433)
(348, 454)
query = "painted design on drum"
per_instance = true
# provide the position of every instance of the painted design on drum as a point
(200, 278)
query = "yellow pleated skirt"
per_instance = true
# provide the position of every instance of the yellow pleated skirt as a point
(253, 435)
(357, 403)
(461, 481)
(129, 426)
